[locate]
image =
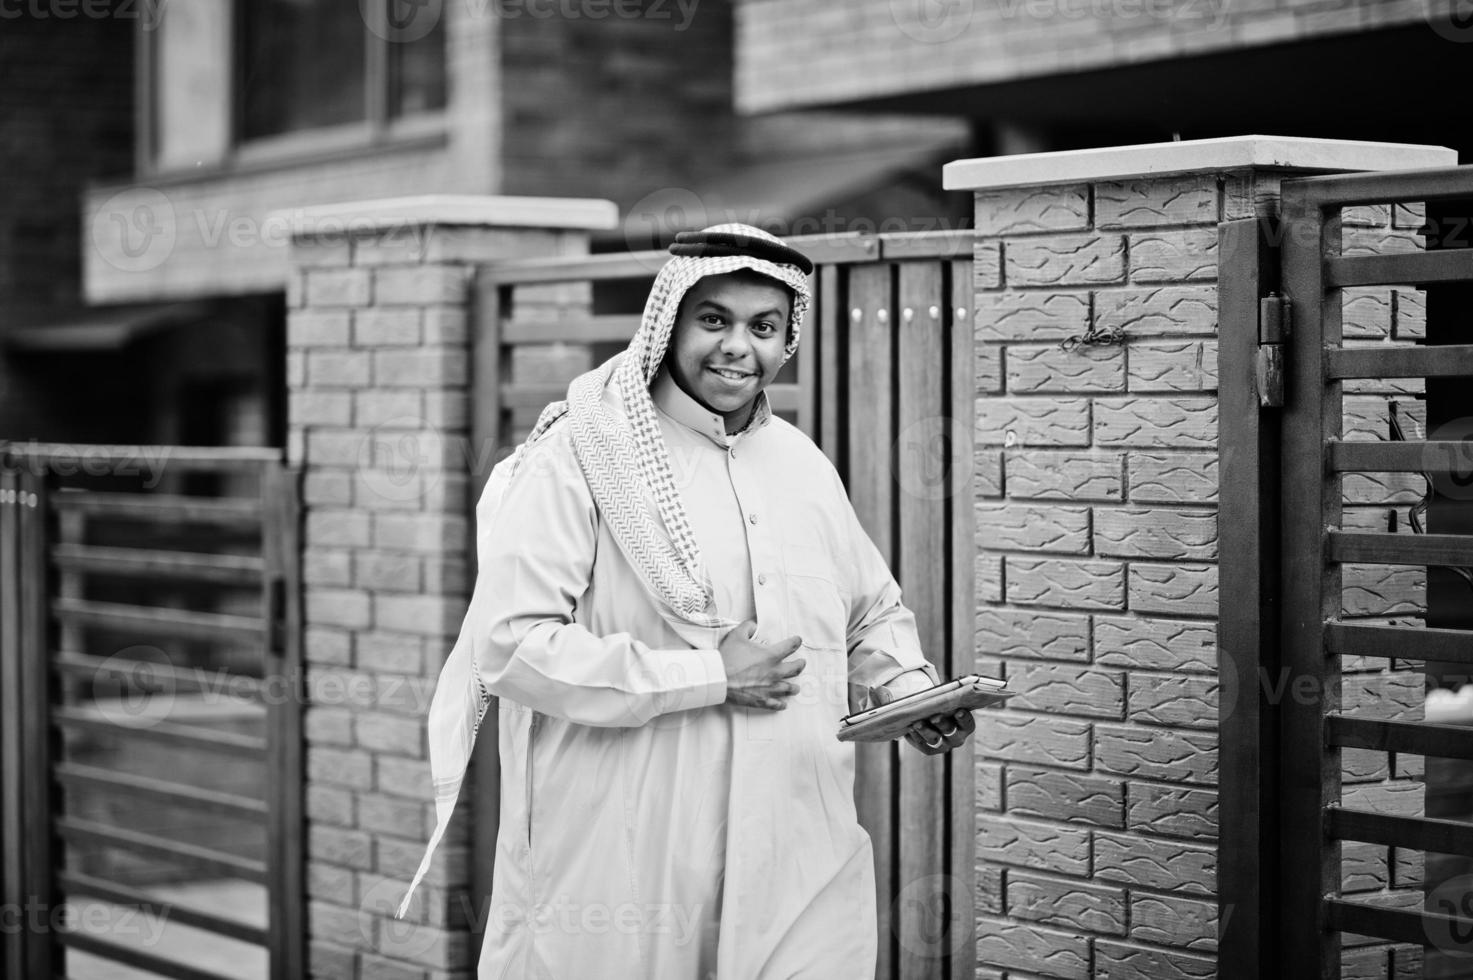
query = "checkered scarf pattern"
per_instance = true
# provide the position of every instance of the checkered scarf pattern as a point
(621, 450)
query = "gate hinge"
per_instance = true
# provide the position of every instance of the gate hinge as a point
(1274, 323)
(1274, 320)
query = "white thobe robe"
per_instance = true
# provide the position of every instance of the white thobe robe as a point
(647, 829)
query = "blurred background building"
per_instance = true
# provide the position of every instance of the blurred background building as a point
(147, 142)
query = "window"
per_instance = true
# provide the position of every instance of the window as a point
(315, 64)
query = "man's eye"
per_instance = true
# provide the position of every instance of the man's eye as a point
(712, 319)
(764, 327)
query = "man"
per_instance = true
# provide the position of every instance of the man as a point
(673, 602)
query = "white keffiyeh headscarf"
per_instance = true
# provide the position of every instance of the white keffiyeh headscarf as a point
(619, 446)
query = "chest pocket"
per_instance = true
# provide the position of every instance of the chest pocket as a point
(818, 606)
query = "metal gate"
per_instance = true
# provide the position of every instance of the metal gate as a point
(150, 674)
(883, 383)
(1336, 858)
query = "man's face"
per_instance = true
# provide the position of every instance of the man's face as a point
(728, 342)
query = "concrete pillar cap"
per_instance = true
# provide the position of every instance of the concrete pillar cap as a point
(485, 211)
(1188, 157)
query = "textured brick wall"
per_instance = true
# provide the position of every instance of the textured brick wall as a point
(379, 413)
(796, 53)
(1098, 589)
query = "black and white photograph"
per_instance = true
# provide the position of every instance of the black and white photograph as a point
(736, 490)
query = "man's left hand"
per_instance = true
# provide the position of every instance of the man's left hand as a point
(933, 735)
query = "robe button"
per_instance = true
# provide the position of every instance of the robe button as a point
(761, 579)
(752, 518)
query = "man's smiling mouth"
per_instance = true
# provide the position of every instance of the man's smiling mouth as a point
(730, 375)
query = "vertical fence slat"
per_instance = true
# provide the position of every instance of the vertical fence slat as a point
(962, 612)
(286, 826)
(809, 346)
(12, 836)
(833, 316)
(869, 433)
(487, 376)
(919, 467)
(1248, 625)
(1310, 862)
(35, 689)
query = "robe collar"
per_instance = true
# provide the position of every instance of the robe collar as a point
(671, 399)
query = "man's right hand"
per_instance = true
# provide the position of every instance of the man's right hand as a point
(757, 673)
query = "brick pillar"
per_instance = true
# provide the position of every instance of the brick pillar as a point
(379, 331)
(1097, 538)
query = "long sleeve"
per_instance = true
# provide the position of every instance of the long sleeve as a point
(536, 557)
(883, 641)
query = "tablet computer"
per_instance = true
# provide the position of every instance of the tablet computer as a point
(890, 721)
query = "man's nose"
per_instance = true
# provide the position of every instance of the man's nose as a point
(735, 341)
